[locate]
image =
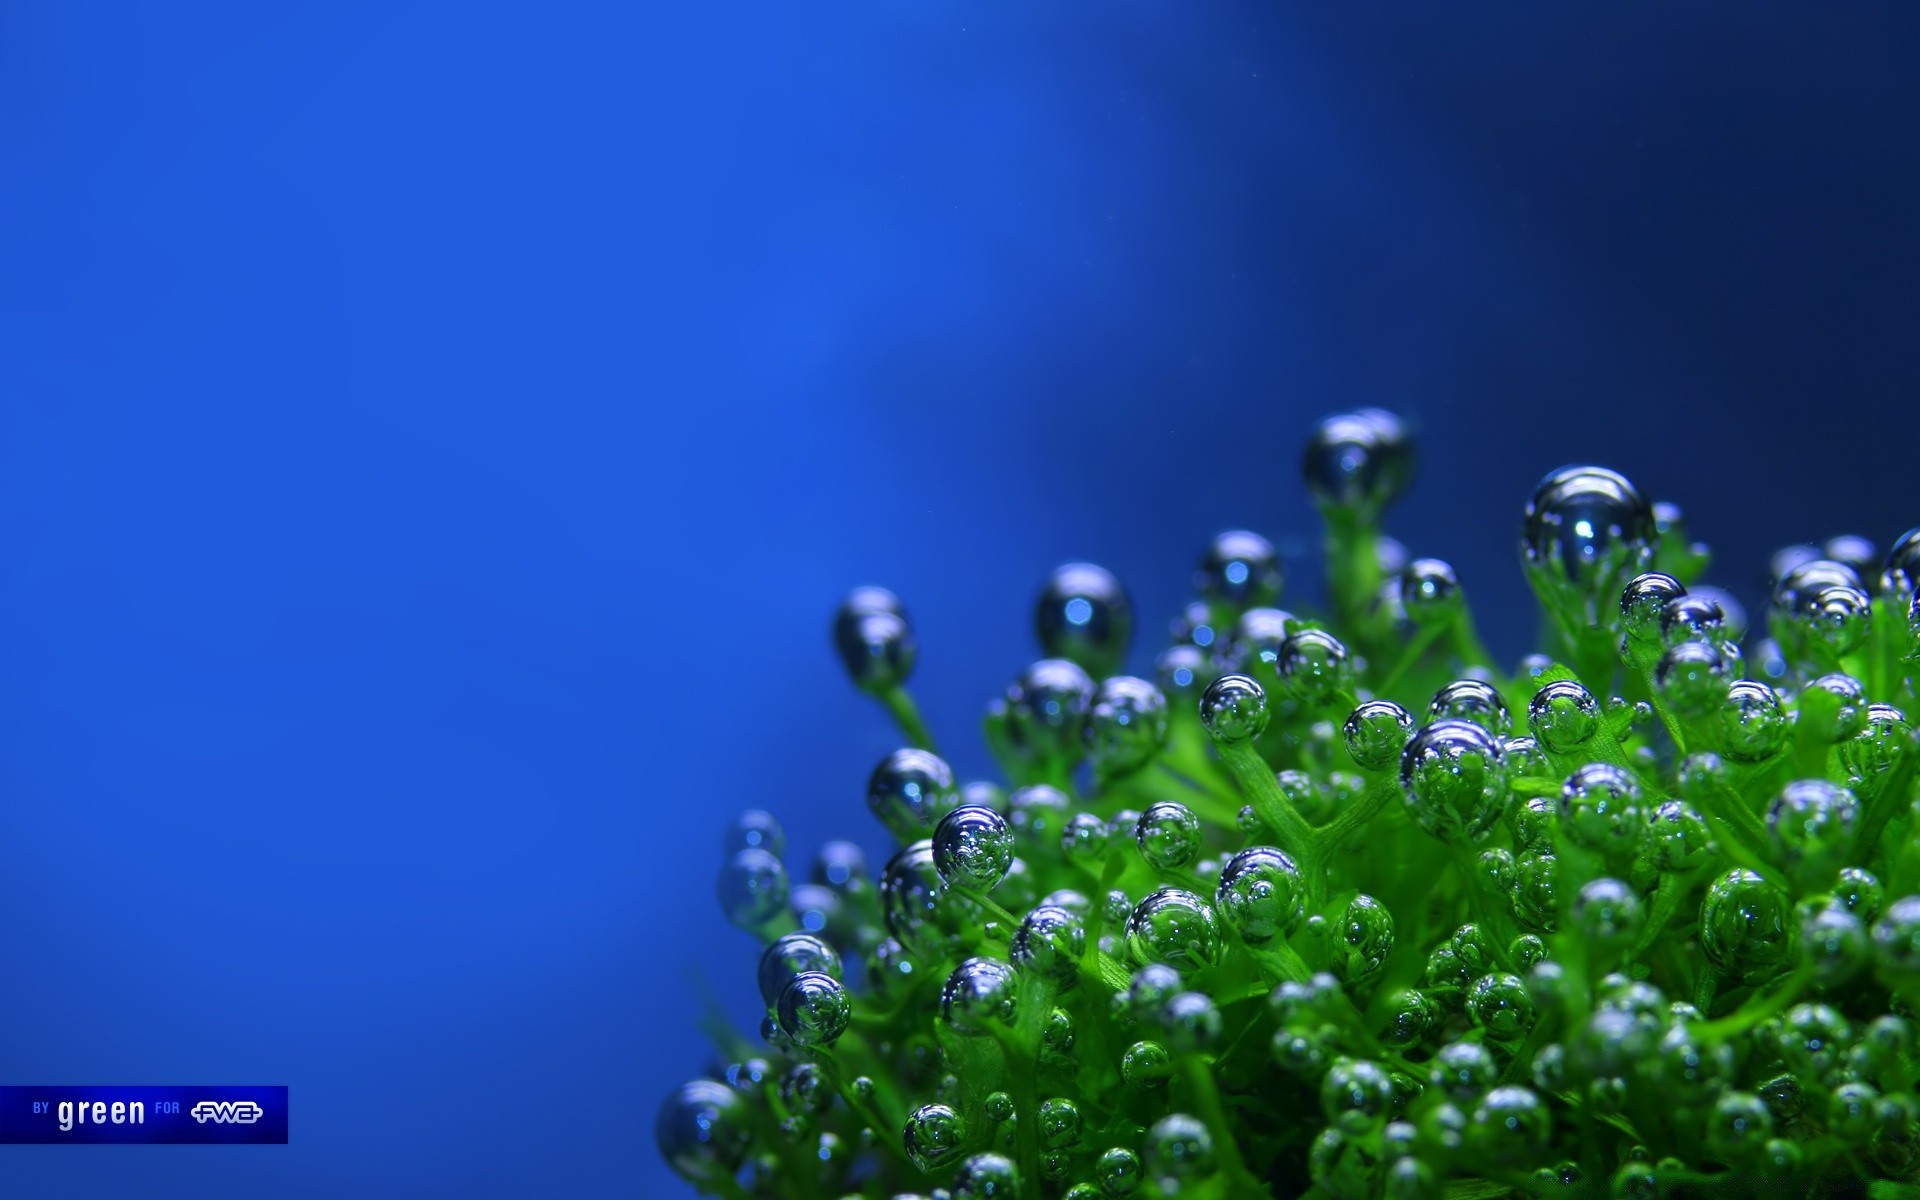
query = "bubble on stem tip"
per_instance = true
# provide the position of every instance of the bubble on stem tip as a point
(1694, 617)
(1118, 1170)
(1234, 709)
(1126, 725)
(814, 1009)
(1896, 937)
(1183, 670)
(1678, 839)
(1454, 778)
(1051, 942)
(1850, 704)
(1500, 1004)
(1367, 937)
(1255, 639)
(1692, 678)
(874, 639)
(1473, 700)
(1046, 709)
(1360, 460)
(841, 866)
(1146, 1066)
(1173, 927)
(972, 849)
(913, 901)
(755, 830)
(1850, 549)
(1430, 591)
(1835, 618)
(909, 791)
(1313, 666)
(1754, 724)
(1509, 1125)
(1600, 809)
(752, 889)
(1744, 925)
(1168, 834)
(790, 955)
(1356, 1096)
(1376, 733)
(1904, 558)
(1261, 894)
(979, 996)
(704, 1131)
(1878, 745)
(1608, 914)
(987, 1176)
(1796, 585)
(934, 1137)
(1810, 826)
(1563, 716)
(1239, 570)
(1643, 602)
(1588, 526)
(1084, 615)
(1178, 1151)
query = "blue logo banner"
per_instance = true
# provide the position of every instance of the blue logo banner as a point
(143, 1115)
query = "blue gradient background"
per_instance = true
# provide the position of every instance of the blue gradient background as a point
(421, 425)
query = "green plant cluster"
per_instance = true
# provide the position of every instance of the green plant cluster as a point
(1335, 906)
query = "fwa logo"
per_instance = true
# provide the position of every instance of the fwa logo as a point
(226, 1112)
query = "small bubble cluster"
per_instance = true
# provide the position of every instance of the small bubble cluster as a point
(1317, 899)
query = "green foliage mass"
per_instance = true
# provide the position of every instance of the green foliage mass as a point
(1337, 907)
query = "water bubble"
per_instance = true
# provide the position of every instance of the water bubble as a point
(1850, 705)
(935, 1137)
(1859, 892)
(1191, 1023)
(1239, 570)
(1874, 750)
(875, 640)
(1430, 591)
(1738, 1126)
(1744, 925)
(1255, 639)
(978, 996)
(1168, 835)
(1152, 985)
(1833, 941)
(910, 791)
(972, 849)
(1693, 617)
(1678, 839)
(1146, 1066)
(1195, 626)
(1060, 1123)
(1084, 615)
(1904, 558)
(1499, 1003)
(752, 889)
(1046, 709)
(1183, 670)
(1463, 1071)
(1536, 901)
(790, 955)
(1376, 733)
(1234, 709)
(1836, 618)
(807, 1088)
(704, 1131)
(1563, 716)
(1367, 938)
(1126, 727)
(1359, 460)
(1608, 914)
(841, 866)
(1051, 941)
(1412, 1017)
(814, 1009)
(755, 830)
(1509, 1125)
(1471, 700)
(1588, 526)
(1810, 824)
(914, 903)
(1118, 1171)
(1261, 894)
(1313, 666)
(1692, 677)
(1754, 723)
(1525, 759)
(1174, 927)
(1455, 780)
(1356, 1096)
(1797, 584)
(1038, 815)
(1643, 602)
(1179, 1151)
(987, 1177)
(1896, 936)
(1085, 840)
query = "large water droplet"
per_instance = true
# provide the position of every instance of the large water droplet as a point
(1563, 716)
(1361, 460)
(752, 889)
(979, 996)
(1239, 570)
(972, 849)
(791, 955)
(1174, 927)
(1234, 709)
(910, 791)
(874, 639)
(1126, 727)
(1261, 894)
(1455, 780)
(1473, 700)
(935, 1137)
(814, 1009)
(1587, 526)
(703, 1131)
(1047, 709)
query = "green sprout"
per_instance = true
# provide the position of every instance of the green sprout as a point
(1337, 907)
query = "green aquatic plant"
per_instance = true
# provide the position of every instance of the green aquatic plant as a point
(1336, 906)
